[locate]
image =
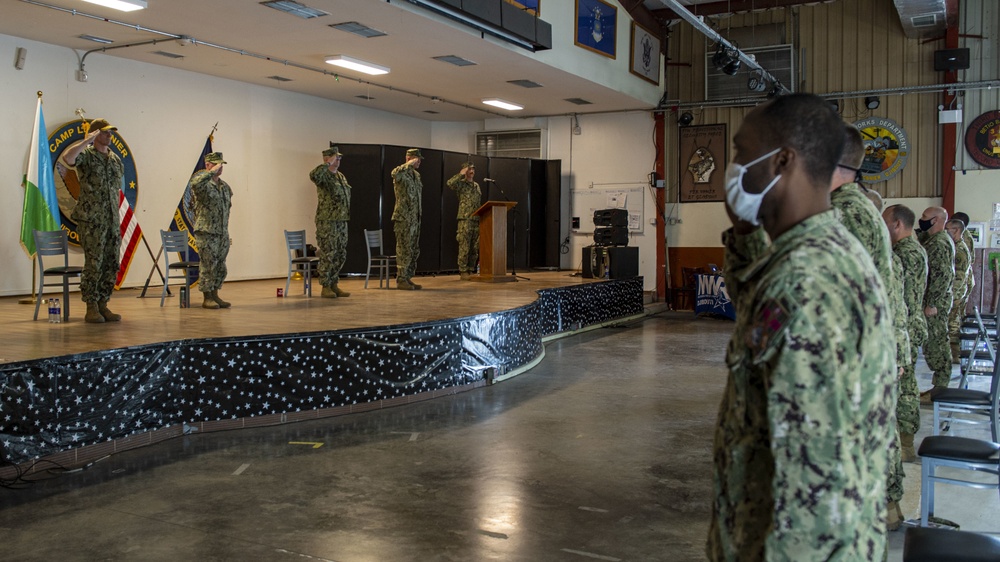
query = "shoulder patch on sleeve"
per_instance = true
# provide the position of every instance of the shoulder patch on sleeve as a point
(767, 327)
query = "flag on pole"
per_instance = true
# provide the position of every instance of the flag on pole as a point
(41, 207)
(131, 236)
(183, 220)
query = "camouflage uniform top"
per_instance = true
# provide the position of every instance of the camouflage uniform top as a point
(212, 200)
(807, 412)
(408, 189)
(100, 181)
(334, 203)
(900, 314)
(971, 245)
(913, 258)
(469, 195)
(963, 270)
(863, 220)
(940, 269)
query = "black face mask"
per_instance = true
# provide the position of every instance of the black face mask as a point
(925, 225)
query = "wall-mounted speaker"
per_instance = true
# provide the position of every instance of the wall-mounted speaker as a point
(19, 54)
(947, 60)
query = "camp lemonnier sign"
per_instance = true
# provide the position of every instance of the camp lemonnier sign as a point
(886, 148)
(67, 184)
(982, 139)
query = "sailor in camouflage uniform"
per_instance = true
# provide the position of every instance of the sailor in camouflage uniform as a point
(937, 298)
(469, 199)
(100, 173)
(408, 188)
(807, 412)
(912, 258)
(333, 209)
(213, 198)
(862, 219)
(958, 308)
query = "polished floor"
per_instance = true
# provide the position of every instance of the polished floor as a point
(600, 452)
(256, 310)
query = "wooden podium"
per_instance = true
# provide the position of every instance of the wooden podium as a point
(493, 242)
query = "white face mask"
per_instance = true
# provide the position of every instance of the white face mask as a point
(746, 205)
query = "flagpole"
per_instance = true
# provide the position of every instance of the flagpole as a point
(34, 270)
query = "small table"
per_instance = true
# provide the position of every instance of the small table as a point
(711, 296)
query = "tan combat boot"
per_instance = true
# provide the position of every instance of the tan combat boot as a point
(208, 301)
(906, 450)
(339, 292)
(329, 293)
(93, 314)
(404, 285)
(222, 303)
(107, 314)
(465, 276)
(894, 517)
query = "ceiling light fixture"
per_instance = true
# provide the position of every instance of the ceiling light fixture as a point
(357, 64)
(872, 102)
(123, 5)
(502, 104)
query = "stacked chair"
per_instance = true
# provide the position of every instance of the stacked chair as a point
(959, 406)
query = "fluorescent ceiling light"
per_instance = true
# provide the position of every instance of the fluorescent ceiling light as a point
(496, 102)
(358, 65)
(123, 5)
(294, 8)
(96, 39)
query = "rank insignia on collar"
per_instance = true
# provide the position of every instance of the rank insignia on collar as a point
(767, 327)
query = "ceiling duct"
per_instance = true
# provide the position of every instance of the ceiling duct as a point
(926, 18)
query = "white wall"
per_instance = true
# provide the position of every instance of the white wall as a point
(271, 139)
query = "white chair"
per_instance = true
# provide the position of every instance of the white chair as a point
(382, 263)
(54, 243)
(295, 240)
(176, 242)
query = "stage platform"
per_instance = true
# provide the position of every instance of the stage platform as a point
(75, 390)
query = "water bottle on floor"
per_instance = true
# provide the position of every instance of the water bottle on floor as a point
(51, 304)
(58, 310)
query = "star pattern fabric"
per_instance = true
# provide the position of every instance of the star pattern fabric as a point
(62, 403)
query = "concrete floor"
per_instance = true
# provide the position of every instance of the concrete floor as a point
(601, 452)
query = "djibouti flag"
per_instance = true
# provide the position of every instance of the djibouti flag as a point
(41, 208)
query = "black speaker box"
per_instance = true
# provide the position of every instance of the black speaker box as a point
(620, 263)
(951, 59)
(611, 236)
(611, 217)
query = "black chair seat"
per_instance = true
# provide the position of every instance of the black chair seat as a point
(64, 270)
(959, 449)
(183, 264)
(929, 544)
(309, 259)
(961, 395)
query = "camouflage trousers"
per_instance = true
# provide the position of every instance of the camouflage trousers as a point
(212, 251)
(894, 485)
(937, 351)
(101, 243)
(407, 248)
(955, 323)
(331, 239)
(468, 244)
(908, 405)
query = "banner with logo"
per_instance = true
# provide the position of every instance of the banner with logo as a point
(712, 297)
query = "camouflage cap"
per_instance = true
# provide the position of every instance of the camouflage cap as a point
(332, 151)
(215, 158)
(102, 125)
(469, 165)
(414, 152)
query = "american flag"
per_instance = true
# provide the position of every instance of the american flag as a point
(131, 236)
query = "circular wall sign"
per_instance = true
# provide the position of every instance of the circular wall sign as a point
(67, 184)
(886, 148)
(982, 139)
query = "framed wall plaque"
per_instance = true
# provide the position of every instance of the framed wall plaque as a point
(644, 54)
(702, 163)
(596, 25)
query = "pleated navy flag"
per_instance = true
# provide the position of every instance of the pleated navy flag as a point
(183, 220)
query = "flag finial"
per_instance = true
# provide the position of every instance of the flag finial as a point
(39, 93)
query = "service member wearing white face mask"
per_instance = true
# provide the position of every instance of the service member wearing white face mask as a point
(808, 410)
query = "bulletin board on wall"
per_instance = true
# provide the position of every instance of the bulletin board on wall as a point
(629, 196)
